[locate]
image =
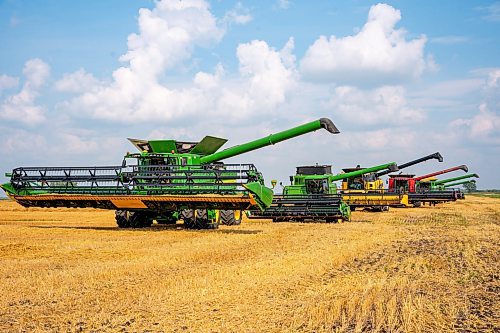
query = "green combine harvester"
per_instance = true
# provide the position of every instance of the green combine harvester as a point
(166, 181)
(313, 196)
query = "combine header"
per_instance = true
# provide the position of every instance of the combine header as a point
(166, 181)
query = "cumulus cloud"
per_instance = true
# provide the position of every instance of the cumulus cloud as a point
(485, 125)
(7, 82)
(76, 82)
(168, 35)
(21, 107)
(377, 140)
(238, 15)
(270, 73)
(378, 54)
(20, 140)
(384, 105)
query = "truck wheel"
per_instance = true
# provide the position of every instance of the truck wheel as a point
(417, 204)
(121, 217)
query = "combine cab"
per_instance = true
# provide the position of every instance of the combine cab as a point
(166, 181)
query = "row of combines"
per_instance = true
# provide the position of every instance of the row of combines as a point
(169, 180)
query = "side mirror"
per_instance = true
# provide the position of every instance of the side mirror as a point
(291, 179)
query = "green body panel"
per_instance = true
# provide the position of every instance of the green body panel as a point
(459, 183)
(163, 146)
(263, 194)
(8, 188)
(209, 145)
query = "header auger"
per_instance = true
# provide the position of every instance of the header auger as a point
(166, 181)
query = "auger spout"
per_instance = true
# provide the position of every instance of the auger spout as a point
(272, 139)
(460, 167)
(436, 156)
(459, 183)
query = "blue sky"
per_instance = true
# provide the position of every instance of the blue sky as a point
(400, 79)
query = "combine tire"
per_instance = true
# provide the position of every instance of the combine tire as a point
(188, 216)
(128, 219)
(201, 220)
(228, 217)
(121, 217)
(139, 220)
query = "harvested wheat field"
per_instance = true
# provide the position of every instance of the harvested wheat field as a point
(432, 269)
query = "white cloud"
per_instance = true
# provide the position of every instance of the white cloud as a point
(21, 107)
(167, 36)
(238, 15)
(492, 12)
(76, 82)
(378, 54)
(377, 140)
(485, 125)
(7, 82)
(384, 105)
(283, 4)
(494, 79)
(20, 140)
(482, 126)
(270, 73)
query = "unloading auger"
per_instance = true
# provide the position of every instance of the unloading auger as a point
(166, 181)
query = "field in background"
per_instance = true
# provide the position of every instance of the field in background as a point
(432, 269)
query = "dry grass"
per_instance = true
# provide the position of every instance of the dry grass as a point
(433, 269)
